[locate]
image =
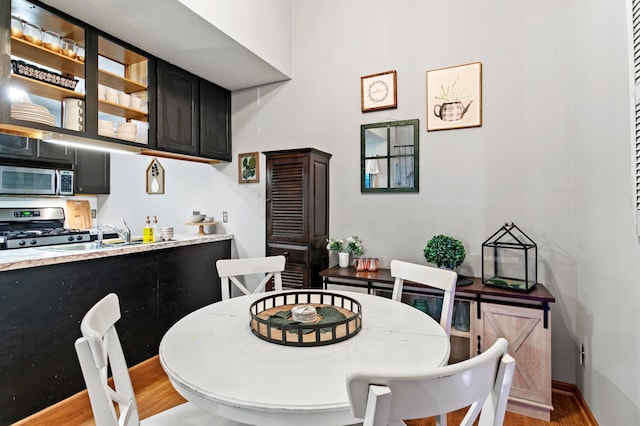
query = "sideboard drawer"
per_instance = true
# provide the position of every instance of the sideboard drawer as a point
(293, 253)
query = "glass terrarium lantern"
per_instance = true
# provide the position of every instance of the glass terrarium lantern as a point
(510, 259)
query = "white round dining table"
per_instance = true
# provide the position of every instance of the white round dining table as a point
(213, 360)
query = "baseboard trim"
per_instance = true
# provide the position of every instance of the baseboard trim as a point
(571, 389)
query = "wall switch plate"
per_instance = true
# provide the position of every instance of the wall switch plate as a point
(94, 214)
(225, 218)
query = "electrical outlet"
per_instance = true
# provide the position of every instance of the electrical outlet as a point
(225, 218)
(94, 213)
(582, 354)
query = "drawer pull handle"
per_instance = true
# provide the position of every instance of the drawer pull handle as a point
(285, 253)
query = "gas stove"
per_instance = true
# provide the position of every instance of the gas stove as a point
(36, 227)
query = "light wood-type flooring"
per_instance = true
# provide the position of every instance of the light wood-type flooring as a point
(154, 393)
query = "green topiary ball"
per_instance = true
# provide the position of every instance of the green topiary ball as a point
(444, 251)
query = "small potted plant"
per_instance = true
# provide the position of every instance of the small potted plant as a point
(344, 249)
(354, 245)
(444, 251)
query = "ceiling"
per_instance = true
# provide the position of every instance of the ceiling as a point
(174, 33)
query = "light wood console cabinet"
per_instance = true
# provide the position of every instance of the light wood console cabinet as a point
(524, 319)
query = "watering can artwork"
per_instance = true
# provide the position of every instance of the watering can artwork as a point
(451, 111)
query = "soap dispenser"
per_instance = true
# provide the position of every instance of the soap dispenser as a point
(147, 233)
(156, 235)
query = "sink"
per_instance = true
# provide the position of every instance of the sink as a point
(72, 247)
(88, 246)
(121, 244)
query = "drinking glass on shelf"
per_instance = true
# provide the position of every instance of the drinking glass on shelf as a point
(461, 317)
(68, 47)
(32, 33)
(80, 53)
(16, 27)
(51, 40)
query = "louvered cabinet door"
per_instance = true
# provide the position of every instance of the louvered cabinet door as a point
(286, 200)
(297, 213)
(530, 346)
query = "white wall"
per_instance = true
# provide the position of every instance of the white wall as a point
(516, 167)
(189, 186)
(262, 27)
(552, 155)
(607, 253)
(543, 158)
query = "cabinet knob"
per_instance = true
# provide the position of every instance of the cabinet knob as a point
(285, 253)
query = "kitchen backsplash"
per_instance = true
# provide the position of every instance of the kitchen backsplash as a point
(17, 201)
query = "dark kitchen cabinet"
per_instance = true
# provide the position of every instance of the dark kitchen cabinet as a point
(177, 110)
(20, 147)
(12, 146)
(101, 64)
(124, 86)
(92, 172)
(42, 308)
(92, 168)
(53, 152)
(215, 121)
(193, 115)
(297, 213)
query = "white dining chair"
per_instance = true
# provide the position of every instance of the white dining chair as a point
(99, 350)
(443, 279)
(483, 382)
(229, 270)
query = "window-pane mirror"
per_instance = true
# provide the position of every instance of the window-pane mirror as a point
(389, 156)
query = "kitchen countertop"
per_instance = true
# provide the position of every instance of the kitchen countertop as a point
(31, 257)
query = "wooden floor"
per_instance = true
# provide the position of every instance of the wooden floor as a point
(154, 393)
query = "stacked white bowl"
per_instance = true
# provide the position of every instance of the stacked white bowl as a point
(166, 233)
(73, 114)
(106, 128)
(127, 131)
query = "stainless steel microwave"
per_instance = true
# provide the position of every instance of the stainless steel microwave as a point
(35, 181)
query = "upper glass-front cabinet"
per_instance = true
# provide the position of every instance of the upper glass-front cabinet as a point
(123, 81)
(69, 78)
(47, 67)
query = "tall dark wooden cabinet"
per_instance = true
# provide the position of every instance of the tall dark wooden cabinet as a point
(297, 196)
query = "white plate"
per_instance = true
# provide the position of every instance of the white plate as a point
(126, 137)
(25, 106)
(51, 121)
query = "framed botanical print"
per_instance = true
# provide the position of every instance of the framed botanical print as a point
(454, 97)
(378, 91)
(249, 167)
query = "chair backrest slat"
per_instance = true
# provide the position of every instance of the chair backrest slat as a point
(99, 350)
(483, 381)
(230, 269)
(443, 279)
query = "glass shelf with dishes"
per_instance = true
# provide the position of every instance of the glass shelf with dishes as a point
(47, 64)
(123, 79)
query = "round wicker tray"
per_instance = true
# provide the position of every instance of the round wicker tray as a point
(322, 332)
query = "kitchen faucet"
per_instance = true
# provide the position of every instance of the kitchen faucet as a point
(124, 233)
